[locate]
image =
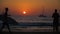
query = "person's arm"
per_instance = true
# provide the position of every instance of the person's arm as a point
(58, 15)
(52, 15)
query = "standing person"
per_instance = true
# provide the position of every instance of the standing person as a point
(5, 20)
(55, 17)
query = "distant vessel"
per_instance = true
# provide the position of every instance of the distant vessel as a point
(42, 15)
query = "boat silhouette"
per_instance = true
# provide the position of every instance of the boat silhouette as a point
(42, 16)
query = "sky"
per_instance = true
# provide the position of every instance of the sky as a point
(31, 7)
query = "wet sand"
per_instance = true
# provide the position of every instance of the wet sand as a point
(29, 29)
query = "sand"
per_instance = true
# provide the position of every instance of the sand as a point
(29, 29)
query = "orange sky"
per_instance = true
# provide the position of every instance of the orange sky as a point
(32, 7)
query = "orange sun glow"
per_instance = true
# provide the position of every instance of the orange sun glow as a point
(24, 12)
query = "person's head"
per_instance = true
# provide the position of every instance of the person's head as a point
(6, 9)
(55, 10)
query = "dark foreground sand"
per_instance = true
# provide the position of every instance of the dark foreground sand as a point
(29, 29)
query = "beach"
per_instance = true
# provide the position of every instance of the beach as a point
(29, 29)
(31, 24)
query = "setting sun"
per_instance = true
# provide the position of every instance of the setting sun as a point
(24, 12)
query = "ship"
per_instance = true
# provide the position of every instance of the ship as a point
(42, 15)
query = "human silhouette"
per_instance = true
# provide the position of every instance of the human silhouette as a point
(5, 15)
(55, 21)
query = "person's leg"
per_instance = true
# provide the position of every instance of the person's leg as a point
(2, 27)
(8, 27)
(57, 28)
(54, 28)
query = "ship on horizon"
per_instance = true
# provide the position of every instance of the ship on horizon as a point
(42, 16)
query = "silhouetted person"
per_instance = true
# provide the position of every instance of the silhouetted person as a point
(5, 20)
(55, 21)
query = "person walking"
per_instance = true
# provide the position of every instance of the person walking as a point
(5, 15)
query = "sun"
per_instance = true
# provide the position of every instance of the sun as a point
(24, 12)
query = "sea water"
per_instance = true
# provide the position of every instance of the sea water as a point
(34, 21)
(40, 24)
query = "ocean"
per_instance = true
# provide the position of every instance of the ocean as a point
(34, 21)
(32, 24)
